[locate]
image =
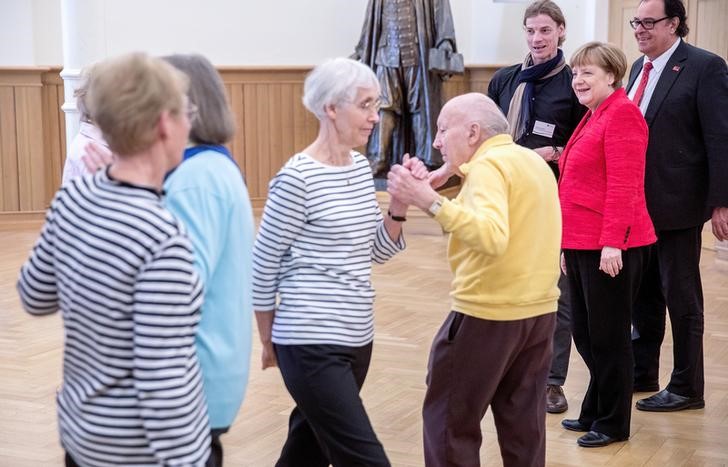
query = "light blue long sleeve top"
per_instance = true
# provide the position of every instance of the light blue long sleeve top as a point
(208, 194)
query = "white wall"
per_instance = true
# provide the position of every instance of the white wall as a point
(497, 35)
(238, 32)
(16, 33)
(47, 43)
(273, 32)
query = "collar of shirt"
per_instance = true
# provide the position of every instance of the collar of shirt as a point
(658, 65)
(660, 62)
(497, 140)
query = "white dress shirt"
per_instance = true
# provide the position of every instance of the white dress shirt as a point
(658, 65)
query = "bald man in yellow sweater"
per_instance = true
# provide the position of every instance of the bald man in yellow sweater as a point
(494, 348)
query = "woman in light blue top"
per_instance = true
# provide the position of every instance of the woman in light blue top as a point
(208, 194)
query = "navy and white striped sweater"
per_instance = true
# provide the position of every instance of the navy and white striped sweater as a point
(118, 266)
(320, 231)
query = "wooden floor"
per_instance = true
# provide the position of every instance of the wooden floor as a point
(412, 301)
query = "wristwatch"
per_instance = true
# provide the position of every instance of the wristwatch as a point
(557, 153)
(435, 207)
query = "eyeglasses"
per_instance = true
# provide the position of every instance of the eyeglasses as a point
(369, 105)
(647, 23)
(192, 112)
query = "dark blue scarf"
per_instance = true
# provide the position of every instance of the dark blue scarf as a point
(529, 75)
(194, 150)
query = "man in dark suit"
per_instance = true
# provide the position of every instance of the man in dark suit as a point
(683, 93)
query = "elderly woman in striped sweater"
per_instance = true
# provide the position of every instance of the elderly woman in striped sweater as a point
(120, 269)
(320, 231)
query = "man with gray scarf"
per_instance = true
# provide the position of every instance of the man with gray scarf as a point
(542, 112)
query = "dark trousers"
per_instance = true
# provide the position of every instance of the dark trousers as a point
(601, 312)
(672, 280)
(215, 459)
(475, 363)
(562, 337)
(329, 424)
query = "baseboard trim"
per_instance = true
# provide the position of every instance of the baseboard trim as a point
(18, 220)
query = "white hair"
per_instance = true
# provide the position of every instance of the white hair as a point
(494, 120)
(478, 108)
(335, 81)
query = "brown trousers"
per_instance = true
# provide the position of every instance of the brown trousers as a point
(476, 363)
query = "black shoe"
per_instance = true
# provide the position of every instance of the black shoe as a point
(650, 387)
(574, 425)
(666, 401)
(555, 399)
(594, 439)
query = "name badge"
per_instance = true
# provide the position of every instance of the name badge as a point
(544, 129)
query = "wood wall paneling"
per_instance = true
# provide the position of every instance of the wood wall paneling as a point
(54, 130)
(235, 97)
(32, 163)
(712, 19)
(271, 125)
(29, 155)
(8, 151)
(620, 32)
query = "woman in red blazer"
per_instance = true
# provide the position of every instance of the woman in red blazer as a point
(605, 237)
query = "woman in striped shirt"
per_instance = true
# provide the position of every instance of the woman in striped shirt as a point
(321, 229)
(119, 267)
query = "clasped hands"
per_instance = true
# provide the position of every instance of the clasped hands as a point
(410, 183)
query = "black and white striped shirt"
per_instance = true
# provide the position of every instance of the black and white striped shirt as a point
(117, 265)
(321, 229)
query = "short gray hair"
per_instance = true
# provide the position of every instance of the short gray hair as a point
(126, 96)
(215, 123)
(335, 81)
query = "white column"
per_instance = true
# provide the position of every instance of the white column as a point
(84, 42)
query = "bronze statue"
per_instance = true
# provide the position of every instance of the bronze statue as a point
(410, 45)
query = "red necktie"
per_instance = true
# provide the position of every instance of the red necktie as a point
(637, 99)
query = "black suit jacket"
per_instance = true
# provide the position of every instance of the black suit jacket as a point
(686, 172)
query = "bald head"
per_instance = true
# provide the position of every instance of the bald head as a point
(464, 124)
(477, 108)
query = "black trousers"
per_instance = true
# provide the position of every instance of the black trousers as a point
(601, 312)
(562, 337)
(329, 424)
(672, 280)
(215, 459)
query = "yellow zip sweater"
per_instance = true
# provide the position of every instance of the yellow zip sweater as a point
(505, 234)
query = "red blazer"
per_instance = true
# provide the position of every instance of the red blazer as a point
(601, 188)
